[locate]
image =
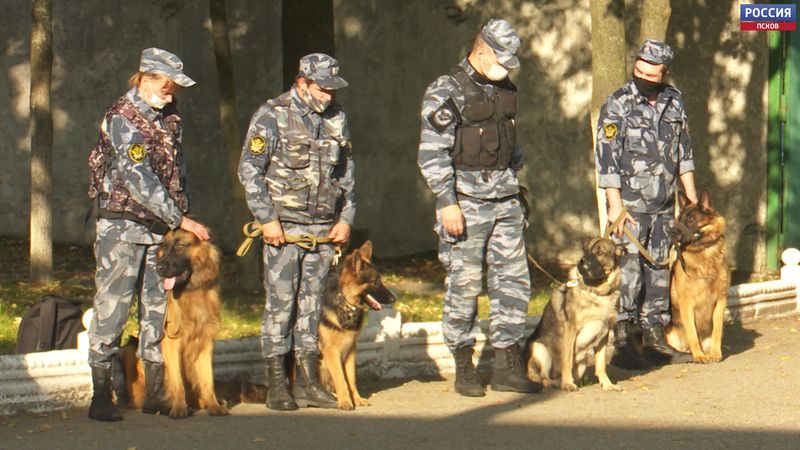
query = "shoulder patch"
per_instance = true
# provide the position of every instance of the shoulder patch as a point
(257, 145)
(136, 152)
(610, 130)
(444, 116)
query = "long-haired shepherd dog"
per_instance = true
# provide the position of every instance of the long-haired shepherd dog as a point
(357, 288)
(700, 280)
(190, 268)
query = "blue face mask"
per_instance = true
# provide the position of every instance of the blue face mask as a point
(314, 103)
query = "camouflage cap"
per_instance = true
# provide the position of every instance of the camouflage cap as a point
(156, 60)
(655, 52)
(321, 69)
(504, 40)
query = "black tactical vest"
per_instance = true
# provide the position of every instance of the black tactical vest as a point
(486, 134)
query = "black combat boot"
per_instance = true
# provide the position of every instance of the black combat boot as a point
(102, 408)
(627, 346)
(307, 389)
(278, 397)
(155, 400)
(509, 374)
(467, 383)
(657, 350)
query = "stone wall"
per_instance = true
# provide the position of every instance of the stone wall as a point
(390, 51)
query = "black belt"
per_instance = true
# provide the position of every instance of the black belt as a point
(461, 196)
(155, 225)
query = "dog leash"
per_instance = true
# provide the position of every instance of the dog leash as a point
(252, 230)
(642, 251)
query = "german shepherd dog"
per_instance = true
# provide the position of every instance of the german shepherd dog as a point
(357, 288)
(700, 280)
(190, 268)
(578, 321)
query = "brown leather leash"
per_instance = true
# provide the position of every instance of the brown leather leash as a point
(642, 251)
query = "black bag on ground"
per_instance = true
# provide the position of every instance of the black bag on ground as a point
(53, 323)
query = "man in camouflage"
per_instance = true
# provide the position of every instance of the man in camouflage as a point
(469, 157)
(139, 183)
(297, 171)
(643, 148)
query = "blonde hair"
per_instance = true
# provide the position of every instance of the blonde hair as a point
(136, 79)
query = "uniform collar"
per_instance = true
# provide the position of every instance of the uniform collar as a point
(298, 104)
(476, 77)
(146, 110)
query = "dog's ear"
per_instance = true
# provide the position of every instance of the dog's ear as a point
(358, 261)
(366, 251)
(682, 199)
(587, 245)
(705, 200)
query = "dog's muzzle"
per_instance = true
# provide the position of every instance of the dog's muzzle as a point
(591, 270)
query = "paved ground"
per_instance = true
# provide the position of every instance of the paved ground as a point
(750, 400)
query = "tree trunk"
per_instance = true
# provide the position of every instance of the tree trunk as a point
(41, 126)
(608, 69)
(247, 267)
(655, 19)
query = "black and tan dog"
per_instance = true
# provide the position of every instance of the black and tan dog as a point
(578, 321)
(190, 268)
(357, 288)
(700, 280)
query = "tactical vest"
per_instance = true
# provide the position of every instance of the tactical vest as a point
(304, 172)
(486, 135)
(162, 147)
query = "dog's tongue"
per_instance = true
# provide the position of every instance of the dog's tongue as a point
(169, 283)
(374, 304)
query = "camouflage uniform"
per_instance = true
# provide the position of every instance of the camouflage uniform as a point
(488, 198)
(642, 150)
(125, 249)
(296, 167)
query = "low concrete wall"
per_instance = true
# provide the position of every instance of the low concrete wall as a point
(49, 381)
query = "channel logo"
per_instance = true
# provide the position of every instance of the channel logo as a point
(767, 17)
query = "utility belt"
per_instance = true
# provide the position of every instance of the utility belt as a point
(155, 225)
(461, 196)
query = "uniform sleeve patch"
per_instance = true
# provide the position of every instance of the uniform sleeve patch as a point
(257, 145)
(444, 116)
(136, 152)
(610, 130)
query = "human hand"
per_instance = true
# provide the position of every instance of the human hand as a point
(273, 233)
(340, 233)
(452, 220)
(613, 214)
(196, 228)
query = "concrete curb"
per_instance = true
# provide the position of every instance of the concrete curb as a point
(49, 381)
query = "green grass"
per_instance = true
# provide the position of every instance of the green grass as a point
(417, 279)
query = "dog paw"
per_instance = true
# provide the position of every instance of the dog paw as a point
(218, 410)
(571, 387)
(702, 359)
(715, 356)
(360, 401)
(346, 406)
(179, 412)
(612, 387)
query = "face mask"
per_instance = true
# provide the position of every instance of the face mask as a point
(647, 88)
(153, 100)
(314, 103)
(495, 72)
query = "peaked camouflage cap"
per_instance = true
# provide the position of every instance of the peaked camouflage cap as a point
(655, 52)
(156, 60)
(504, 40)
(321, 69)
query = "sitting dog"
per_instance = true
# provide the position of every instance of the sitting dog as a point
(578, 321)
(190, 268)
(357, 288)
(700, 281)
